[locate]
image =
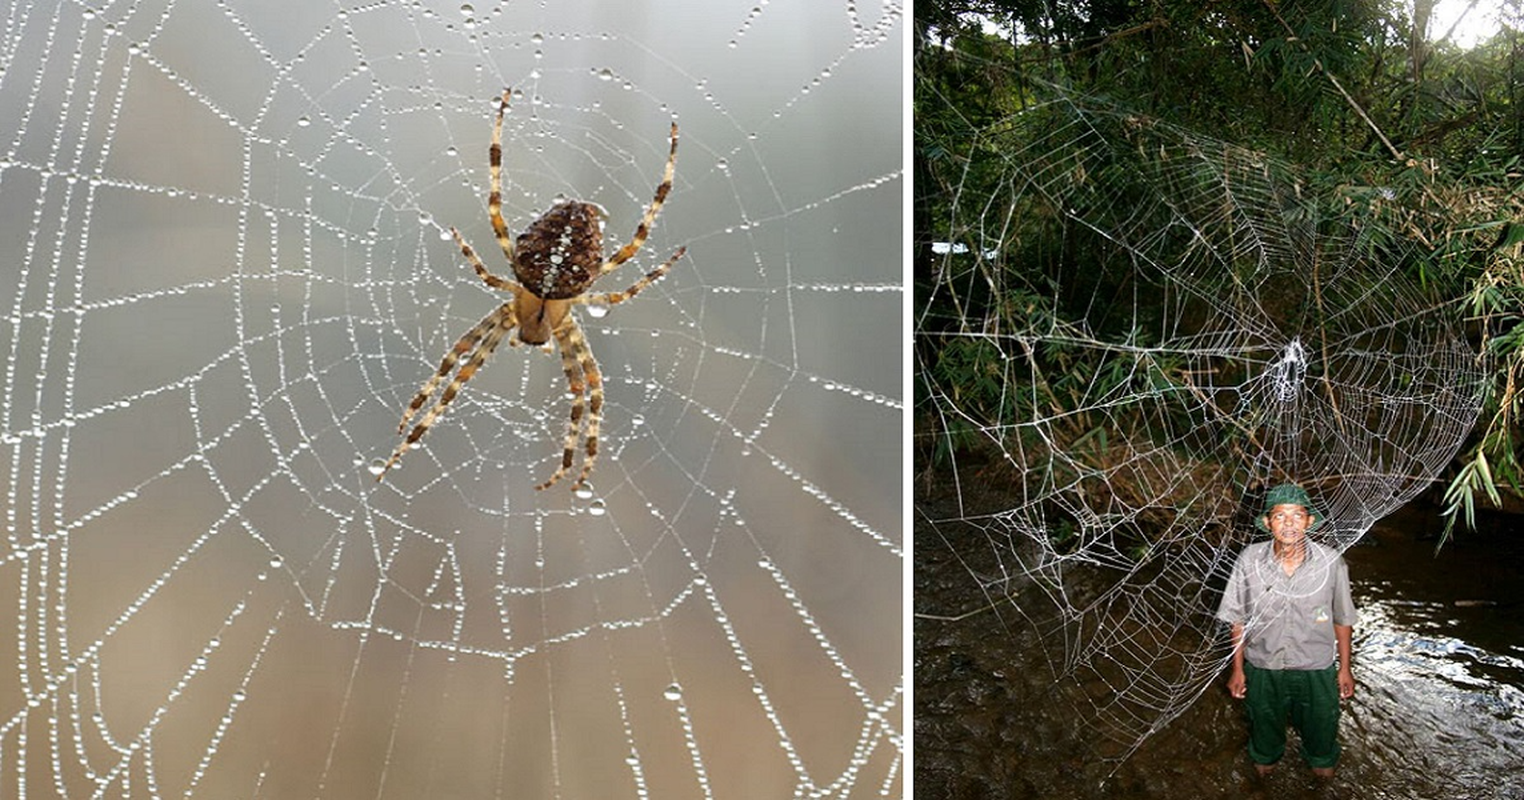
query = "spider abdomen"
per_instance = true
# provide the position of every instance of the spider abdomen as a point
(560, 254)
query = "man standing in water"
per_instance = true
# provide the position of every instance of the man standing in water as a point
(1289, 604)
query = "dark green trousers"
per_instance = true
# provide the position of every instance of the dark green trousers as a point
(1308, 699)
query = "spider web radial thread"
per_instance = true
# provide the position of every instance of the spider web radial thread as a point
(1177, 324)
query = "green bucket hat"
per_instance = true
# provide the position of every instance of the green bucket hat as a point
(1288, 494)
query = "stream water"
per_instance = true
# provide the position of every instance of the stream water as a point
(1438, 712)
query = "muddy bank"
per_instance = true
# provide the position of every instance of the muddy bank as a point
(1439, 659)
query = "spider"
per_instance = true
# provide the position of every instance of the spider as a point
(556, 260)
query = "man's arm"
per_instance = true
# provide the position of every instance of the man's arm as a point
(1237, 685)
(1342, 634)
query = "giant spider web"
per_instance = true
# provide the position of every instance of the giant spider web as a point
(228, 269)
(1163, 325)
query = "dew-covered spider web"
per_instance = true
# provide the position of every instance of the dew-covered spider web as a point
(1125, 333)
(227, 269)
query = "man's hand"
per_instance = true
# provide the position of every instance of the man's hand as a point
(1238, 686)
(1343, 634)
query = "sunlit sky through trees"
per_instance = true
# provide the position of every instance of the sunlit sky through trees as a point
(1473, 21)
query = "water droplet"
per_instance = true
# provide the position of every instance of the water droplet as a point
(597, 508)
(584, 492)
(377, 467)
(605, 74)
(673, 692)
(303, 121)
(597, 312)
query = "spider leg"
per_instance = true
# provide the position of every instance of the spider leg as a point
(464, 345)
(480, 341)
(619, 297)
(644, 228)
(495, 197)
(570, 343)
(594, 401)
(481, 269)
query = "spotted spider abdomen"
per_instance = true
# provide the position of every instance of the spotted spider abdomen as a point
(560, 254)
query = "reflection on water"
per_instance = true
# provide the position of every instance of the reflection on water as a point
(1439, 656)
(1441, 661)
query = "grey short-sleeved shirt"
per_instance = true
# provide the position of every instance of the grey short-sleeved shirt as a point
(1288, 619)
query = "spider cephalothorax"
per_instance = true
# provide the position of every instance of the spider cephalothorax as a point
(556, 261)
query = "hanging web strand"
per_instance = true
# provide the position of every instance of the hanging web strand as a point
(1176, 324)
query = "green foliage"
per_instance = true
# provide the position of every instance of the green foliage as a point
(974, 372)
(1460, 498)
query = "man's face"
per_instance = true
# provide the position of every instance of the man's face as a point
(1288, 523)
